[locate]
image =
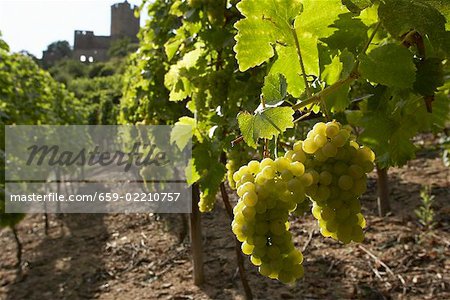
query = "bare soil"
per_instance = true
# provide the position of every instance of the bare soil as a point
(145, 256)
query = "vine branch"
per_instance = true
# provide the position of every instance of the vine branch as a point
(338, 84)
(300, 59)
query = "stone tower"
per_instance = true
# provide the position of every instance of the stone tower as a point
(123, 21)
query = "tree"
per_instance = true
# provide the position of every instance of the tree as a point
(55, 52)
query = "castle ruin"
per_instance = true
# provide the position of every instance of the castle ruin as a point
(89, 47)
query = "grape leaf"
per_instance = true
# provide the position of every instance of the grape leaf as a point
(402, 16)
(267, 29)
(264, 22)
(356, 6)
(274, 89)
(210, 183)
(179, 85)
(351, 34)
(182, 132)
(369, 16)
(390, 65)
(191, 173)
(429, 76)
(332, 71)
(339, 100)
(265, 124)
(172, 46)
(401, 147)
(444, 7)
(390, 139)
(206, 160)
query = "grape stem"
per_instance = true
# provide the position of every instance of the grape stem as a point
(300, 59)
(354, 74)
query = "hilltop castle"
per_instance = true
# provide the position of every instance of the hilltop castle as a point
(89, 47)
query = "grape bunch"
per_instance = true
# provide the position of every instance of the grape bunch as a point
(337, 166)
(330, 168)
(269, 190)
(235, 159)
(206, 202)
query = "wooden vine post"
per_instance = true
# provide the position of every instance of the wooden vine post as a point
(195, 228)
(19, 247)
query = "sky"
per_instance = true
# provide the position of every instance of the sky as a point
(32, 25)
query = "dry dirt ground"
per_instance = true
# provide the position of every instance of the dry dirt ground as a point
(142, 257)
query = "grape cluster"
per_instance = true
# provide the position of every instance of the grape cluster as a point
(269, 190)
(330, 168)
(235, 159)
(207, 202)
(337, 166)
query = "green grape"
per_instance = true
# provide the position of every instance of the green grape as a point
(345, 182)
(268, 172)
(282, 163)
(320, 128)
(253, 166)
(247, 248)
(355, 171)
(320, 140)
(341, 165)
(260, 222)
(323, 193)
(309, 146)
(297, 168)
(255, 260)
(341, 138)
(307, 179)
(235, 159)
(329, 168)
(329, 150)
(250, 198)
(325, 178)
(298, 147)
(332, 129)
(327, 214)
(206, 202)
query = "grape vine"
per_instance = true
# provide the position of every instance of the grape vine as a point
(376, 67)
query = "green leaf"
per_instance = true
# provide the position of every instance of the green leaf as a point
(179, 85)
(351, 34)
(267, 29)
(182, 132)
(191, 173)
(172, 45)
(274, 90)
(401, 16)
(265, 124)
(429, 76)
(339, 100)
(357, 5)
(312, 25)
(212, 173)
(369, 16)
(390, 65)
(210, 183)
(444, 8)
(264, 24)
(332, 72)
